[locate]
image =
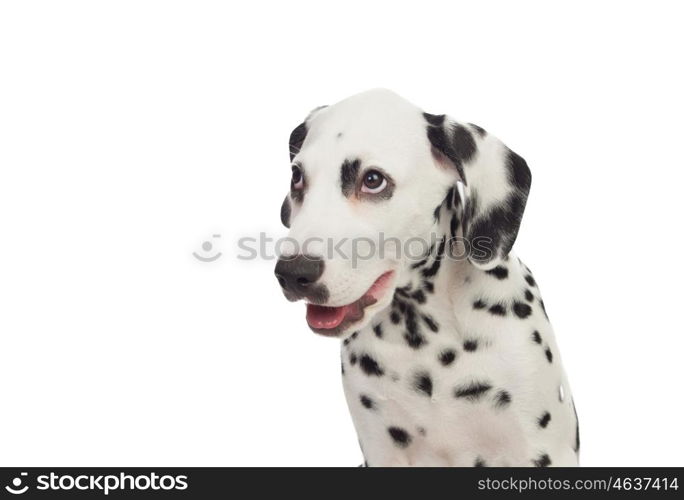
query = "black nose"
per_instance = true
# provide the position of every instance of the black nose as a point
(297, 274)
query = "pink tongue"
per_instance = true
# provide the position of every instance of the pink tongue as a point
(324, 317)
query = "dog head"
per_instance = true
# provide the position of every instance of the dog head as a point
(370, 177)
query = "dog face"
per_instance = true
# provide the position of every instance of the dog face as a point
(369, 176)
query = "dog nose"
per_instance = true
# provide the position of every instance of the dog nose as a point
(295, 274)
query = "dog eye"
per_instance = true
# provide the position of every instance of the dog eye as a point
(297, 177)
(373, 182)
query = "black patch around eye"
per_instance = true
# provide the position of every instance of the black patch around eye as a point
(348, 174)
(499, 272)
(297, 139)
(472, 391)
(285, 212)
(400, 437)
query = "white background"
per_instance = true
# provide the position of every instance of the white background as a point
(130, 132)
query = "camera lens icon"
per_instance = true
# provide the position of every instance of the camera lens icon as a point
(207, 247)
(15, 488)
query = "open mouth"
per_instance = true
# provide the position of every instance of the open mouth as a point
(334, 320)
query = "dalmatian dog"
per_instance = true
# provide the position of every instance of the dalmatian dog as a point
(401, 226)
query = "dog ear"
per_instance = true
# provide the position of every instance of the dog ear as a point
(298, 135)
(497, 182)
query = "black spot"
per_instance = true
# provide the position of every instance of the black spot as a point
(431, 323)
(470, 345)
(502, 399)
(435, 120)
(436, 213)
(285, 212)
(530, 280)
(528, 296)
(394, 316)
(536, 337)
(544, 420)
(549, 355)
(348, 175)
(400, 437)
(421, 431)
(423, 383)
(472, 391)
(542, 461)
(463, 142)
(447, 356)
(480, 131)
(354, 335)
(479, 304)
(521, 309)
(378, 330)
(370, 366)
(367, 402)
(434, 268)
(352, 359)
(479, 463)
(413, 336)
(429, 287)
(498, 310)
(453, 226)
(500, 272)
(342, 366)
(418, 296)
(415, 340)
(297, 139)
(419, 264)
